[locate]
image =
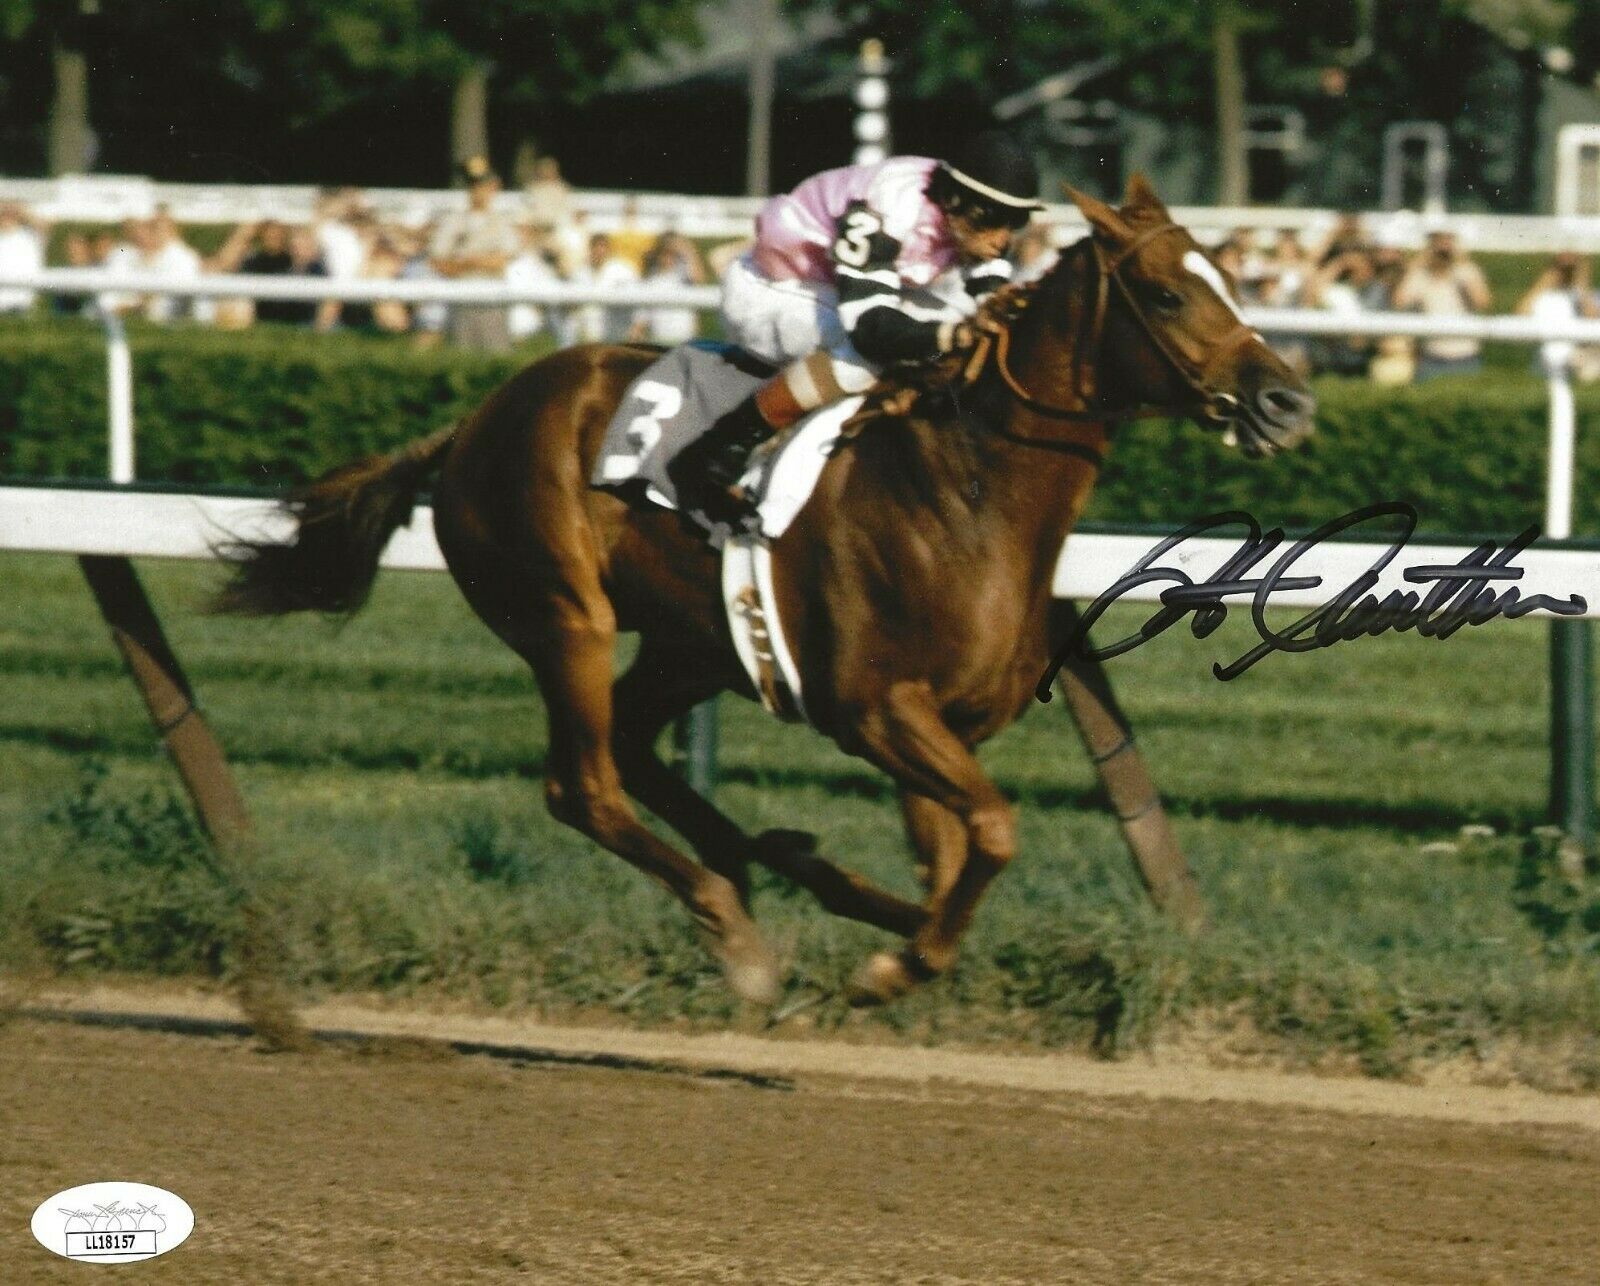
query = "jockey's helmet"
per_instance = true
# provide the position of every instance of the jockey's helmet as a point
(989, 178)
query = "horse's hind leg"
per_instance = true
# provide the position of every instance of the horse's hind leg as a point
(662, 684)
(572, 659)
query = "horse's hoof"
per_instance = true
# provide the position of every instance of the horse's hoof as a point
(884, 977)
(751, 969)
(755, 984)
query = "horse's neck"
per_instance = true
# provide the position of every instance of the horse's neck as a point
(982, 473)
(1061, 317)
(1039, 469)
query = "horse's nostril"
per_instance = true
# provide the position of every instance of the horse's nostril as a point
(1282, 404)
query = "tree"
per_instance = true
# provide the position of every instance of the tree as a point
(259, 65)
(67, 27)
(991, 47)
(1423, 58)
(1233, 157)
(1221, 34)
(516, 54)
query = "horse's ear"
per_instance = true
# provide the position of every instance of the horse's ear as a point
(1141, 195)
(1108, 225)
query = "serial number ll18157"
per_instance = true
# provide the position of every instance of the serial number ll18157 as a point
(109, 1241)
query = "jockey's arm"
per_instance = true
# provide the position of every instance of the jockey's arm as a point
(872, 294)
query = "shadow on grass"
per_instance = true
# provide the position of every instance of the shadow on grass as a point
(1329, 812)
(1326, 811)
(354, 675)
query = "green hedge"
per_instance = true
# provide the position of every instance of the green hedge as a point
(275, 406)
(1469, 453)
(263, 408)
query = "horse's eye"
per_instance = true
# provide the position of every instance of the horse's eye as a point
(1167, 300)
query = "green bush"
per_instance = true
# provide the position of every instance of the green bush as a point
(276, 406)
(264, 408)
(1468, 453)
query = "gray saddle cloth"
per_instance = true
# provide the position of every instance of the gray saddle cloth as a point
(678, 398)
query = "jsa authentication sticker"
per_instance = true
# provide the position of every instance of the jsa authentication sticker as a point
(112, 1222)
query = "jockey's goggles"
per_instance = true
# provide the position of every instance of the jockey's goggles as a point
(990, 214)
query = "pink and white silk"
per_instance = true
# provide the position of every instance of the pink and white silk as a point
(795, 232)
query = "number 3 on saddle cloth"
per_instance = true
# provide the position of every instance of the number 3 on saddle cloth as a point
(673, 402)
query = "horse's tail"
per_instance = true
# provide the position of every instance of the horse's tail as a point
(342, 522)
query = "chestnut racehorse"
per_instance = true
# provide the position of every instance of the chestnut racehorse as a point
(914, 587)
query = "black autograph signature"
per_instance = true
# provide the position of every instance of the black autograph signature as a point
(1461, 594)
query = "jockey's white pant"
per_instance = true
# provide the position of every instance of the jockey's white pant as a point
(783, 321)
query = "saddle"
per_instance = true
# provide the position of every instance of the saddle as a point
(676, 399)
(685, 391)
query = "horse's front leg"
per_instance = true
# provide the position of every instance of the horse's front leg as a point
(664, 683)
(961, 824)
(939, 839)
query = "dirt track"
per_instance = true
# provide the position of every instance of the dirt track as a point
(414, 1164)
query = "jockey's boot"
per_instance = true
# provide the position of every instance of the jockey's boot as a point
(706, 473)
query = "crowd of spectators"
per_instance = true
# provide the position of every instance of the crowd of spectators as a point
(544, 238)
(1349, 272)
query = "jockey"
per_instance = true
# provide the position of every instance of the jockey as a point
(837, 286)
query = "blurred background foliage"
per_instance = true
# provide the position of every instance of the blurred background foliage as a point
(386, 91)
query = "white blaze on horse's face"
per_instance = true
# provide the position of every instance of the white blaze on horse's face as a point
(1204, 269)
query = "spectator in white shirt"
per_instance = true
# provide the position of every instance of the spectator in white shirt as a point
(549, 196)
(21, 253)
(166, 254)
(1284, 276)
(569, 242)
(672, 261)
(534, 266)
(340, 244)
(1562, 293)
(1443, 282)
(343, 250)
(594, 323)
(125, 255)
(1342, 286)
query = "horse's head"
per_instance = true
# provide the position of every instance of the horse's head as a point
(1170, 332)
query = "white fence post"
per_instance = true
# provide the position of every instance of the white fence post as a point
(119, 398)
(1563, 429)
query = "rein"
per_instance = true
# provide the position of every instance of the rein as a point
(1218, 405)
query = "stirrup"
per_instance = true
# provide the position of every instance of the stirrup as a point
(706, 473)
(728, 504)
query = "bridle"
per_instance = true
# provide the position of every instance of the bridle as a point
(1216, 405)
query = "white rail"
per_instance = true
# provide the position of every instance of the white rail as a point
(108, 198)
(1272, 321)
(96, 281)
(137, 524)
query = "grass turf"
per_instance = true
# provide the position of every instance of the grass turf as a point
(393, 766)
